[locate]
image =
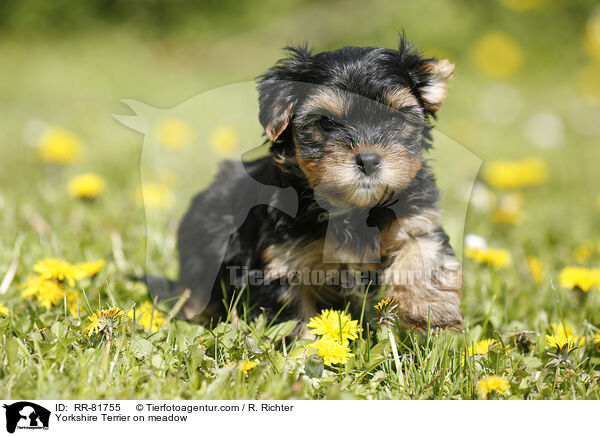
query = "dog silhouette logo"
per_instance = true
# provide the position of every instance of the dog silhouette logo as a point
(26, 415)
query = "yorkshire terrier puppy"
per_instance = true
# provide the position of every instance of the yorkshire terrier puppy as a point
(347, 130)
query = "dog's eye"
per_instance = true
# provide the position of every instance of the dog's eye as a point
(327, 124)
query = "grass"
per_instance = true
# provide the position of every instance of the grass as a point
(77, 83)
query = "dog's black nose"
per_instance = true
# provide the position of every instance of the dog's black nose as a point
(368, 162)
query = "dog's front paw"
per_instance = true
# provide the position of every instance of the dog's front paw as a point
(425, 282)
(444, 314)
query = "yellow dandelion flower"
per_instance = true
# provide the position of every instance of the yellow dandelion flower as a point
(63, 271)
(584, 252)
(4, 310)
(173, 133)
(73, 302)
(58, 269)
(578, 277)
(334, 324)
(386, 312)
(383, 304)
(562, 343)
(47, 292)
(562, 329)
(592, 35)
(145, 317)
(247, 365)
(88, 269)
(86, 186)
(522, 5)
(597, 338)
(492, 383)
(155, 196)
(510, 210)
(482, 347)
(566, 331)
(536, 269)
(104, 320)
(225, 140)
(505, 174)
(497, 55)
(332, 351)
(494, 257)
(59, 146)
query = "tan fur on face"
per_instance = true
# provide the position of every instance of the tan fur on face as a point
(336, 177)
(400, 98)
(330, 100)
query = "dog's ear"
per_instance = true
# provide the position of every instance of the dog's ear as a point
(430, 76)
(276, 102)
(279, 89)
(433, 77)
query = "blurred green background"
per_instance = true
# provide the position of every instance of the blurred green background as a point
(526, 84)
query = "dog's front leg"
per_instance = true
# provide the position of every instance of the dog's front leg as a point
(424, 279)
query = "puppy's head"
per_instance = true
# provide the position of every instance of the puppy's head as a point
(352, 120)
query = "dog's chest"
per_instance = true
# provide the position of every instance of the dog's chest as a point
(311, 278)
